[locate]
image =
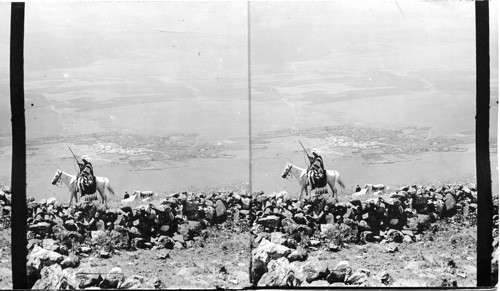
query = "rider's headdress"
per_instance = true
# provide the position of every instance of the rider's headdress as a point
(315, 151)
(85, 158)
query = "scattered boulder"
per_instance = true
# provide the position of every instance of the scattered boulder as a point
(279, 274)
(39, 258)
(220, 210)
(451, 205)
(52, 278)
(267, 251)
(263, 254)
(72, 261)
(391, 248)
(90, 280)
(135, 282)
(358, 277)
(384, 277)
(298, 255)
(111, 281)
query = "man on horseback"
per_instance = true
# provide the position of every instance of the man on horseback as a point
(86, 178)
(316, 172)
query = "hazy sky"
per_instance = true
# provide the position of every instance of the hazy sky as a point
(354, 35)
(95, 26)
(400, 34)
(338, 22)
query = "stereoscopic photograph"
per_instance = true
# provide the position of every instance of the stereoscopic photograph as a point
(367, 112)
(137, 144)
(234, 145)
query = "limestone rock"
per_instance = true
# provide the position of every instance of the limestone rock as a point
(279, 274)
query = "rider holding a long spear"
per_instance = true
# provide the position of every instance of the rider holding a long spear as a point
(86, 178)
(316, 171)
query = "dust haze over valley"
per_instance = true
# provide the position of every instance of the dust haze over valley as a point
(142, 88)
(386, 90)
(157, 93)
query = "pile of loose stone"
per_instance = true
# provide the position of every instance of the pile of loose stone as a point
(59, 235)
(285, 229)
(5, 206)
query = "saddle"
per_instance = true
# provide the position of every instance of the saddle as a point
(316, 181)
(87, 186)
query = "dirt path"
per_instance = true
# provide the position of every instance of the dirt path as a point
(5, 260)
(435, 257)
(222, 262)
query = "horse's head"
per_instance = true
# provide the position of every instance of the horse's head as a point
(57, 176)
(286, 171)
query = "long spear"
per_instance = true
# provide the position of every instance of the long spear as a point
(76, 159)
(73, 155)
(308, 156)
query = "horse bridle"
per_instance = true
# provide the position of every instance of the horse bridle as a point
(57, 179)
(285, 175)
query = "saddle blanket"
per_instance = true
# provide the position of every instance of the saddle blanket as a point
(89, 197)
(85, 186)
(319, 191)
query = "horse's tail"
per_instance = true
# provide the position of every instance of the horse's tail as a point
(110, 189)
(340, 181)
(338, 185)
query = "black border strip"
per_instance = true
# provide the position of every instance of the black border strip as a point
(483, 167)
(18, 176)
(249, 61)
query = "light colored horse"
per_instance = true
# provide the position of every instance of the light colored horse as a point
(102, 183)
(332, 179)
(143, 193)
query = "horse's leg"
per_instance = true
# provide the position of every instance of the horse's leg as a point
(329, 184)
(75, 194)
(333, 185)
(304, 189)
(103, 195)
(72, 195)
(110, 189)
(334, 192)
(78, 188)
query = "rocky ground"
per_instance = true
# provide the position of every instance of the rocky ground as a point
(5, 260)
(412, 236)
(204, 267)
(184, 240)
(409, 236)
(5, 256)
